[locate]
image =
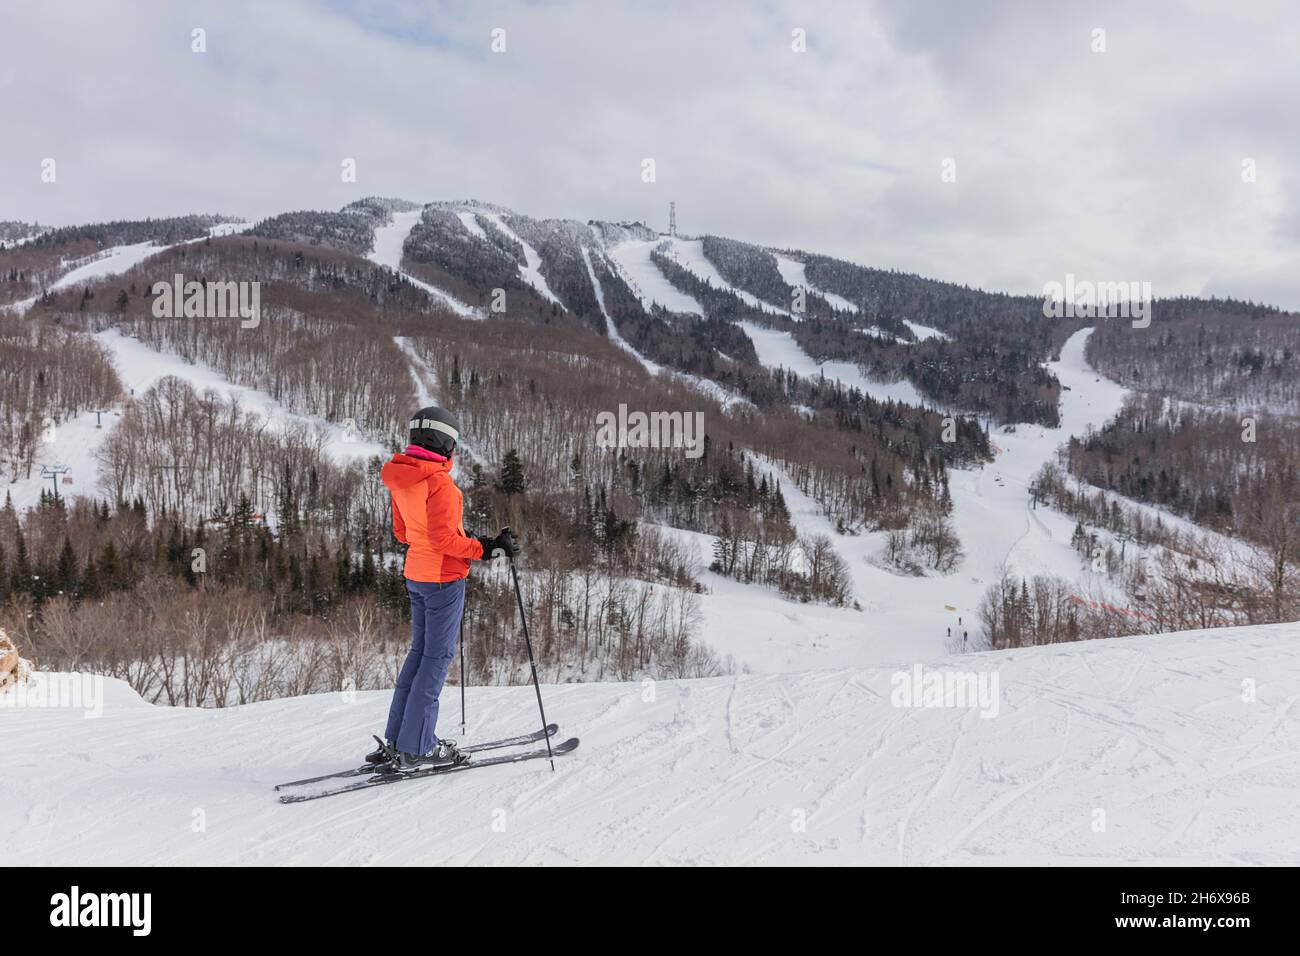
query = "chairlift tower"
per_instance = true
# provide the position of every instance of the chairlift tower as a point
(672, 219)
(53, 472)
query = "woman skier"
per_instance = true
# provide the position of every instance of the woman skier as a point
(427, 517)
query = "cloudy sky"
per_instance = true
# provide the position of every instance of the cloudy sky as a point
(1125, 164)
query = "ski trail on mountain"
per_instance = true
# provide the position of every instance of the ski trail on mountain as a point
(777, 348)
(387, 251)
(118, 259)
(723, 396)
(470, 221)
(615, 336)
(924, 332)
(689, 254)
(531, 270)
(635, 266)
(423, 376)
(999, 531)
(795, 274)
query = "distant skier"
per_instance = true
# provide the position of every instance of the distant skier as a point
(427, 517)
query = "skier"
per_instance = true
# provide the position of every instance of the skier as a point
(427, 517)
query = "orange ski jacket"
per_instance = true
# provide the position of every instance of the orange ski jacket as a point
(428, 518)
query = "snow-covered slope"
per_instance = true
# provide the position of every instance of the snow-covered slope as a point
(726, 398)
(531, 270)
(1139, 750)
(470, 221)
(689, 254)
(117, 259)
(73, 443)
(387, 251)
(645, 279)
(615, 336)
(779, 349)
(113, 261)
(795, 273)
(924, 332)
(904, 615)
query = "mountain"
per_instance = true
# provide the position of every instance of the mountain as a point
(890, 466)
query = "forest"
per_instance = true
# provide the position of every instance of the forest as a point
(1213, 351)
(235, 557)
(28, 269)
(994, 371)
(300, 541)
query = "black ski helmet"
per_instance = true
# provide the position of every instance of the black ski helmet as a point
(435, 429)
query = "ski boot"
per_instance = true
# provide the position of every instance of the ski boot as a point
(382, 754)
(384, 758)
(444, 755)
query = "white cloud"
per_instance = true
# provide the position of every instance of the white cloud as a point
(1117, 165)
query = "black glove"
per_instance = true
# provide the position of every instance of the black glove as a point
(504, 543)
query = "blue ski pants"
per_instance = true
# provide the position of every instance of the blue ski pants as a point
(435, 621)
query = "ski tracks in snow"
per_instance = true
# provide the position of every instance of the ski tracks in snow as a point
(818, 767)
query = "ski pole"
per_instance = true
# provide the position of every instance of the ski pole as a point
(462, 672)
(523, 619)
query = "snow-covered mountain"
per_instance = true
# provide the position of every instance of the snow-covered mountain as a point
(630, 282)
(831, 392)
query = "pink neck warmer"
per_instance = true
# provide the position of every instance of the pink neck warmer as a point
(415, 451)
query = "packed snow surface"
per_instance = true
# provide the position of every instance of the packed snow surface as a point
(646, 280)
(813, 767)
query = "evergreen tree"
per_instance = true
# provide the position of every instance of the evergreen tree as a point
(512, 480)
(21, 576)
(110, 573)
(65, 572)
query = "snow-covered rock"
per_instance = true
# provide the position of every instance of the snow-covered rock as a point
(14, 668)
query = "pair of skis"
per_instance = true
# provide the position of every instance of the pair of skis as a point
(298, 791)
